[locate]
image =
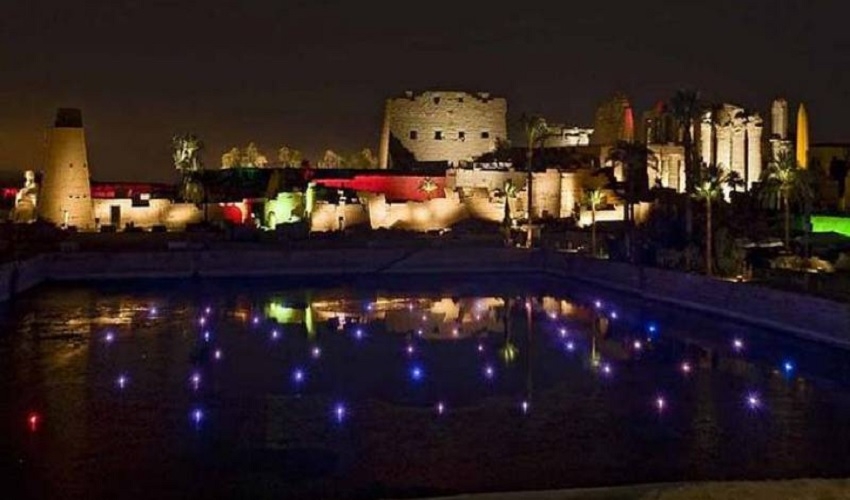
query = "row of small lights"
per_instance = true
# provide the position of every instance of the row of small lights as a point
(752, 399)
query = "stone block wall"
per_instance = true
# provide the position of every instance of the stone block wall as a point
(447, 126)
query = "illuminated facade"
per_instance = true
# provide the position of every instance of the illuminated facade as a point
(730, 137)
(65, 197)
(442, 126)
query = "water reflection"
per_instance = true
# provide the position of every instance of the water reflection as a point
(471, 392)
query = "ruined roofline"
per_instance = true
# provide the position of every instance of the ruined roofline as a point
(412, 95)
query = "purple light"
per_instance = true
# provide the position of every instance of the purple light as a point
(637, 345)
(606, 368)
(410, 349)
(196, 380)
(256, 320)
(339, 412)
(409, 307)
(206, 336)
(316, 352)
(153, 311)
(571, 346)
(489, 372)
(660, 403)
(552, 315)
(121, 381)
(738, 345)
(275, 334)
(685, 367)
(598, 304)
(441, 408)
(525, 407)
(480, 347)
(109, 337)
(613, 314)
(562, 332)
(358, 333)
(419, 332)
(217, 354)
(753, 401)
(202, 321)
(455, 332)
(298, 376)
(208, 310)
(424, 318)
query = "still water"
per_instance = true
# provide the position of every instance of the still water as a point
(357, 389)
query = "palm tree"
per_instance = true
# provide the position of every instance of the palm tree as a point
(535, 129)
(635, 160)
(595, 196)
(710, 186)
(784, 178)
(687, 107)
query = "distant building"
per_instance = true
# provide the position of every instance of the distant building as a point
(779, 141)
(730, 137)
(441, 126)
(562, 136)
(614, 122)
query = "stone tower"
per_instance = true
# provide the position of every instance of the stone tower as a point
(436, 126)
(802, 137)
(614, 122)
(779, 119)
(65, 197)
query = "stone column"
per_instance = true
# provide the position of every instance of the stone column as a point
(754, 159)
(705, 139)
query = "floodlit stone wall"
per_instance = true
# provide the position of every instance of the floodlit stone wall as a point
(731, 138)
(430, 215)
(447, 126)
(326, 216)
(65, 194)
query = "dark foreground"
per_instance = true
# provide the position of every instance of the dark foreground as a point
(402, 388)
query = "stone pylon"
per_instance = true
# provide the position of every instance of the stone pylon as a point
(65, 197)
(802, 137)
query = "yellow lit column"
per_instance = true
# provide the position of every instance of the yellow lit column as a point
(802, 137)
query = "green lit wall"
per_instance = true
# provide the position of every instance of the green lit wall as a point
(826, 224)
(287, 207)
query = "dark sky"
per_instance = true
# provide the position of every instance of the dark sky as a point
(314, 74)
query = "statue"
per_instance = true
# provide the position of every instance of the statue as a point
(26, 199)
(186, 154)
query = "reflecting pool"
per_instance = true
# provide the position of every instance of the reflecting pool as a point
(399, 388)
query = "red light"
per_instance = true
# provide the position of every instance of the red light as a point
(33, 421)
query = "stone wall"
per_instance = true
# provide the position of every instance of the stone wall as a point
(65, 193)
(447, 126)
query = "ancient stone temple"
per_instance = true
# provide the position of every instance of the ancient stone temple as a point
(779, 142)
(730, 137)
(563, 136)
(614, 122)
(435, 126)
(65, 196)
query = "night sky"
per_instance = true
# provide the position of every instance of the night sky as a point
(314, 74)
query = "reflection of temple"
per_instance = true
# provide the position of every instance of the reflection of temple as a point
(435, 318)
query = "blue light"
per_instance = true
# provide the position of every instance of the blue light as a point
(197, 415)
(598, 304)
(339, 412)
(358, 333)
(275, 334)
(571, 346)
(298, 376)
(206, 336)
(417, 373)
(613, 314)
(652, 328)
(788, 366)
(489, 372)
(196, 380)
(121, 381)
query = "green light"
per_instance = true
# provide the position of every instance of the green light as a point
(826, 224)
